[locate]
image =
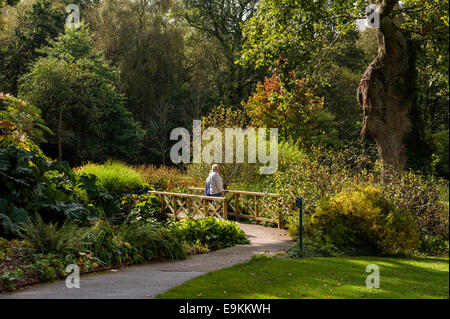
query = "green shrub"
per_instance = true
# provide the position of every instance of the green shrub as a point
(363, 222)
(49, 238)
(211, 232)
(145, 208)
(11, 277)
(50, 266)
(117, 178)
(323, 173)
(101, 203)
(20, 124)
(155, 242)
(4, 248)
(434, 245)
(10, 218)
(30, 184)
(426, 197)
(289, 154)
(441, 141)
(195, 249)
(106, 241)
(133, 243)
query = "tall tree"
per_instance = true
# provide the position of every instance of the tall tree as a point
(221, 21)
(388, 88)
(140, 38)
(35, 23)
(74, 88)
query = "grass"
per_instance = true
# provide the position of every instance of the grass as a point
(167, 178)
(320, 278)
(116, 177)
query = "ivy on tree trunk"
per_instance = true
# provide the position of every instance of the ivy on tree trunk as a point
(387, 95)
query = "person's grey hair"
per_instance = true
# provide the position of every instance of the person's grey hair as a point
(215, 167)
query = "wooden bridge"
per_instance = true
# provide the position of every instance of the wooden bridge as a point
(260, 207)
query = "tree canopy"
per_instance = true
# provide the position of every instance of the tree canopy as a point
(74, 87)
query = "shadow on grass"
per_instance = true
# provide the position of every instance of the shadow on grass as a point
(322, 277)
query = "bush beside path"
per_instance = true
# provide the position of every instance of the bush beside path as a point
(147, 281)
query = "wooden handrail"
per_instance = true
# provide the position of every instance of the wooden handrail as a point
(187, 195)
(251, 206)
(187, 204)
(238, 192)
(255, 206)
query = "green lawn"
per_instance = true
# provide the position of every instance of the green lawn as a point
(345, 277)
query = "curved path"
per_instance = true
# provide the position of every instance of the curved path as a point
(149, 280)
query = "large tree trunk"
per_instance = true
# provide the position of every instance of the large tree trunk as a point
(384, 95)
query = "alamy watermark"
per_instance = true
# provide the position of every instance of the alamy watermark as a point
(73, 19)
(373, 15)
(207, 146)
(73, 279)
(373, 280)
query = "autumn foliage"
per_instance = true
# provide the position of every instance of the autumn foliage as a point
(287, 103)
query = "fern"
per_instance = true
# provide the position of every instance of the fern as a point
(49, 238)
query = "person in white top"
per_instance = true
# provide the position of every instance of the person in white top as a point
(215, 181)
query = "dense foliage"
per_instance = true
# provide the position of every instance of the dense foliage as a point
(363, 222)
(106, 96)
(20, 124)
(74, 87)
(330, 176)
(52, 238)
(133, 243)
(31, 184)
(177, 61)
(314, 36)
(286, 102)
(211, 232)
(116, 177)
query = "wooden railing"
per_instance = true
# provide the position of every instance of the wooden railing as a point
(178, 205)
(259, 207)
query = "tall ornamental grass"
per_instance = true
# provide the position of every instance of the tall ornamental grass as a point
(116, 177)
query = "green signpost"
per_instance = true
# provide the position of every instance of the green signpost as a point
(299, 204)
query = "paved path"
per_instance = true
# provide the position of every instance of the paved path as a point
(147, 281)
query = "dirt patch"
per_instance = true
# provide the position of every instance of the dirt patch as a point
(16, 258)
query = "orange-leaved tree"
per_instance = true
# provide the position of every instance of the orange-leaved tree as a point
(287, 103)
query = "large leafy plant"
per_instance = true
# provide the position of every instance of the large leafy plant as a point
(20, 124)
(210, 232)
(30, 184)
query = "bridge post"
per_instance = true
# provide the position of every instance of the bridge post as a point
(162, 204)
(255, 198)
(189, 206)
(299, 204)
(236, 206)
(225, 209)
(205, 208)
(175, 207)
